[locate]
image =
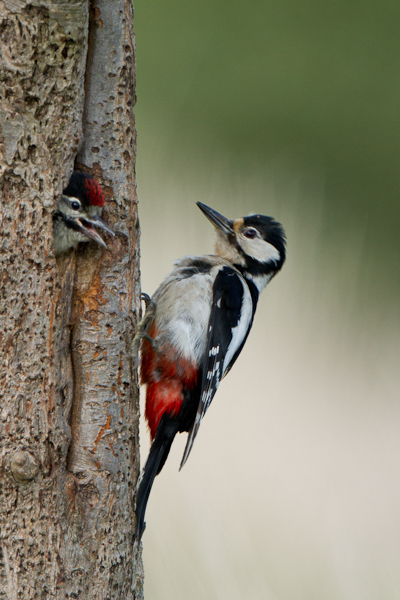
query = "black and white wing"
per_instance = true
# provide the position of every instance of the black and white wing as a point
(230, 321)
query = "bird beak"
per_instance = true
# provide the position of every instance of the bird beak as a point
(86, 226)
(97, 222)
(218, 220)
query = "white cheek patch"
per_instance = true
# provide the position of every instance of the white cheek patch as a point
(64, 206)
(260, 250)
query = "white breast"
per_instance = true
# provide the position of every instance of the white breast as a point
(183, 311)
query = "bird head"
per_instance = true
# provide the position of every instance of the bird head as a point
(254, 244)
(77, 214)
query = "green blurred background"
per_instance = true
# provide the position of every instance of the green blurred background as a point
(289, 109)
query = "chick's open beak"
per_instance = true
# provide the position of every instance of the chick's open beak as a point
(87, 227)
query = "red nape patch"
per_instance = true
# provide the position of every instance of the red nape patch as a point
(94, 192)
(163, 396)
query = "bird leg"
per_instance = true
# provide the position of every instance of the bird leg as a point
(141, 332)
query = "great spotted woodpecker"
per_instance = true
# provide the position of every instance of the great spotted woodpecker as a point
(194, 329)
(77, 214)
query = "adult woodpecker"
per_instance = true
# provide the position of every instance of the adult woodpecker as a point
(194, 329)
(77, 214)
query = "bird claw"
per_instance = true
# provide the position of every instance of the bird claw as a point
(141, 332)
(146, 299)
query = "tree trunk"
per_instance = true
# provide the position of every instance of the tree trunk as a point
(69, 395)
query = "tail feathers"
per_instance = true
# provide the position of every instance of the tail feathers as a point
(166, 431)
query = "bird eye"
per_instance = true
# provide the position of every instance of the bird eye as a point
(75, 205)
(250, 233)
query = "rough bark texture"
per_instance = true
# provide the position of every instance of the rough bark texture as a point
(69, 398)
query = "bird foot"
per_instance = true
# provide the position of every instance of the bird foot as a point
(141, 332)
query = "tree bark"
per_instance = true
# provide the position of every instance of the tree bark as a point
(69, 406)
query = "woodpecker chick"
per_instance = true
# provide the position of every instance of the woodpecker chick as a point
(197, 323)
(78, 213)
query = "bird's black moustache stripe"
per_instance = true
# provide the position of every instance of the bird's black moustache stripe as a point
(57, 216)
(255, 268)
